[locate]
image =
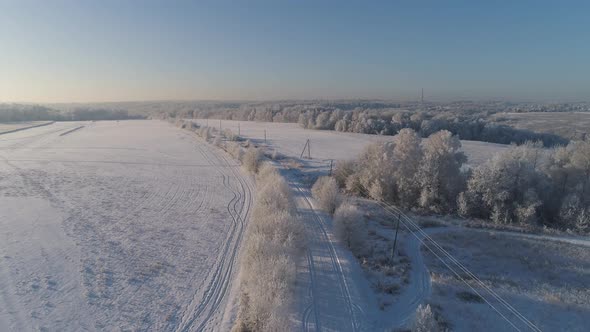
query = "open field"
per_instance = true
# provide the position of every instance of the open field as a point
(289, 139)
(571, 125)
(130, 225)
(546, 281)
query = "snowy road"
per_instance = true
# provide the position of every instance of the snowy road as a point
(331, 299)
(332, 293)
(130, 225)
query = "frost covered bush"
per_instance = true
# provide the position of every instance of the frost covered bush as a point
(205, 133)
(273, 243)
(342, 170)
(235, 150)
(350, 228)
(218, 142)
(273, 192)
(229, 135)
(425, 320)
(251, 159)
(325, 191)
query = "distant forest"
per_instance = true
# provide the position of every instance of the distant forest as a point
(20, 112)
(469, 121)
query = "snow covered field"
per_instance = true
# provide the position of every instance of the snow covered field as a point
(289, 139)
(543, 278)
(130, 225)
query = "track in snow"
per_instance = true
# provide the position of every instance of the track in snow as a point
(333, 303)
(198, 315)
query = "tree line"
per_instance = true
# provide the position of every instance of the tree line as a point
(467, 123)
(527, 184)
(21, 112)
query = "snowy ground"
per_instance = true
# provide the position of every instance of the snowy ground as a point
(290, 138)
(544, 280)
(130, 225)
(336, 294)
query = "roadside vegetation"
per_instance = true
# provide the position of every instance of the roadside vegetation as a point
(350, 228)
(273, 243)
(325, 190)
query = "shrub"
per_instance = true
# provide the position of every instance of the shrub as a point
(350, 228)
(251, 159)
(425, 320)
(218, 142)
(235, 150)
(325, 191)
(205, 133)
(343, 169)
(273, 244)
(229, 135)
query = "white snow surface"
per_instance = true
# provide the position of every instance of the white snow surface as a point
(119, 225)
(289, 139)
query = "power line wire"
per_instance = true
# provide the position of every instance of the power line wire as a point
(387, 208)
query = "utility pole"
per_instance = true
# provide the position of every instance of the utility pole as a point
(395, 240)
(331, 162)
(264, 135)
(305, 146)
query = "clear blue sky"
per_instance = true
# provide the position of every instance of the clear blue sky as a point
(62, 51)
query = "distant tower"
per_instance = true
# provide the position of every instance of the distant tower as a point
(422, 97)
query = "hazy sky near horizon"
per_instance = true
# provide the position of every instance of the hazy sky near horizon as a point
(92, 51)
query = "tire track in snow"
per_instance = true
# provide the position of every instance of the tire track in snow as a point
(354, 311)
(202, 309)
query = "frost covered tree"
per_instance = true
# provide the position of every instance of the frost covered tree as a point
(439, 174)
(407, 155)
(325, 191)
(581, 162)
(350, 228)
(375, 170)
(342, 170)
(506, 188)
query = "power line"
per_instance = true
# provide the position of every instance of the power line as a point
(406, 220)
(387, 208)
